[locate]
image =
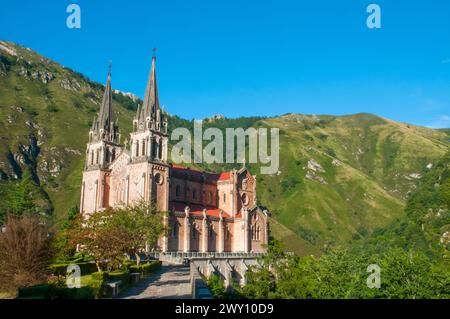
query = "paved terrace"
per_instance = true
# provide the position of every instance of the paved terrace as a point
(169, 282)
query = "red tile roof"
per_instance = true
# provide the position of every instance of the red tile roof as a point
(197, 173)
(197, 209)
(224, 176)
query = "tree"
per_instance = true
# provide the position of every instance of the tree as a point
(217, 287)
(140, 225)
(261, 281)
(63, 250)
(408, 275)
(25, 251)
(113, 234)
(20, 197)
(298, 280)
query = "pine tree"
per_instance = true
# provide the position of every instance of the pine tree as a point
(19, 196)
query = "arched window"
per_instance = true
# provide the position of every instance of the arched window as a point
(224, 197)
(256, 231)
(92, 157)
(160, 150)
(143, 147)
(178, 191)
(97, 156)
(244, 199)
(137, 148)
(113, 154)
(158, 178)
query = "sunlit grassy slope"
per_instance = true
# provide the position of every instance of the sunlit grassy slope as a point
(339, 177)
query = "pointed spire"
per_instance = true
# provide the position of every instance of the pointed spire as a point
(138, 113)
(105, 116)
(93, 123)
(151, 101)
(103, 126)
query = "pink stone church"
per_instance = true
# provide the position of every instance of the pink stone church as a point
(208, 212)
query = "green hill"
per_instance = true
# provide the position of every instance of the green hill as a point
(342, 177)
(339, 177)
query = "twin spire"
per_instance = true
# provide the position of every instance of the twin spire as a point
(150, 115)
(106, 112)
(151, 101)
(104, 128)
(150, 106)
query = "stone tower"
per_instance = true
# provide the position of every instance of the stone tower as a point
(149, 139)
(149, 169)
(101, 150)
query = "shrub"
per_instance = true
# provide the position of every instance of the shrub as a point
(217, 287)
(124, 276)
(146, 268)
(44, 291)
(99, 275)
(60, 269)
(25, 251)
(96, 283)
(52, 108)
(288, 183)
(307, 234)
(47, 291)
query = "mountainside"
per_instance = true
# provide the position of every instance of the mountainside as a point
(342, 177)
(46, 111)
(426, 226)
(339, 177)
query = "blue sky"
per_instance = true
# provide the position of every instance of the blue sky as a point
(243, 58)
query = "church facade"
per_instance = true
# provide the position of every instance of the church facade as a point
(207, 212)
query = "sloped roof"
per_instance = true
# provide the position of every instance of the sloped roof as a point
(178, 206)
(200, 174)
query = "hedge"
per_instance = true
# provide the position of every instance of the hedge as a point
(124, 276)
(146, 268)
(90, 267)
(61, 269)
(48, 291)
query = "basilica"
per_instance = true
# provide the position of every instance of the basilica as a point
(207, 211)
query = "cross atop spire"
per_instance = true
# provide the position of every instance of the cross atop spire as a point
(151, 100)
(105, 116)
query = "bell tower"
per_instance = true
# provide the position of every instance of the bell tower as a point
(104, 133)
(102, 149)
(149, 139)
(149, 168)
